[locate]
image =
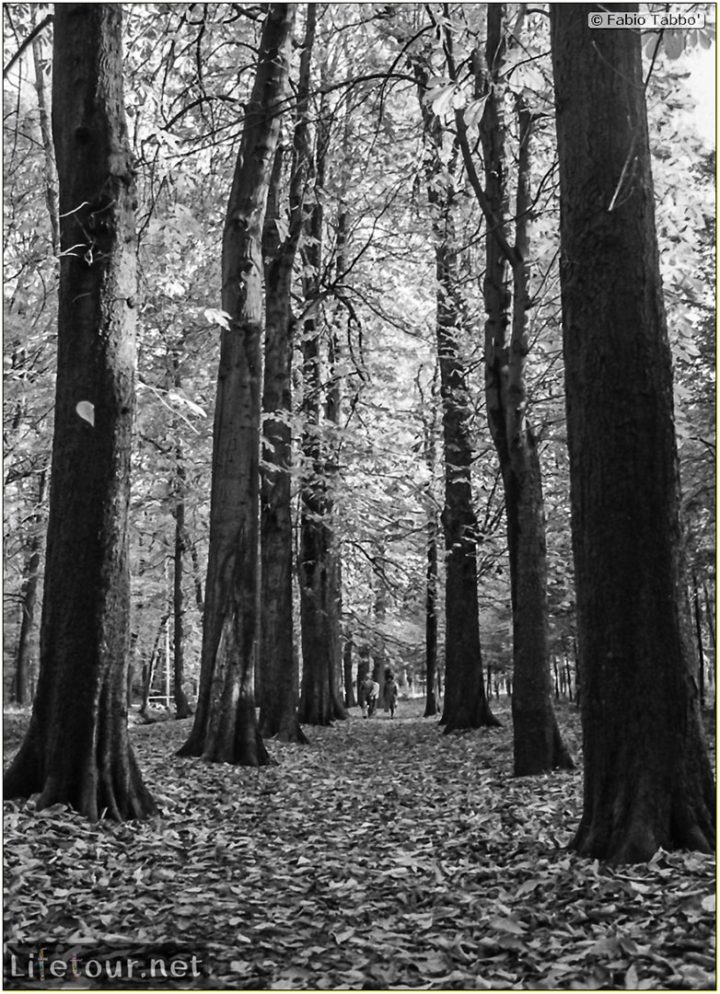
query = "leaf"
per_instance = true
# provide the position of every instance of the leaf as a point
(214, 315)
(508, 925)
(287, 878)
(173, 288)
(708, 903)
(527, 887)
(240, 966)
(706, 37)
(651, 43)
(673, 42)
(440, 99)
(86, 410)
(631, 979)
(474, 111)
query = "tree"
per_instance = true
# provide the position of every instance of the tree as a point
(182, 707)
(537, 743)
(278, 670)
(76, 750)
(31, 251)
(225, 729)
(429, 429)
(648, 781)
(334, 445)
(466, 704)
(320, 698)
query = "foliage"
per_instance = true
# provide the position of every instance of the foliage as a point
(188, 71)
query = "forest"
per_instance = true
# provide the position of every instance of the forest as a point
(359, 496)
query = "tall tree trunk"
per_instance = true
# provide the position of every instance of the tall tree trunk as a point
(578, 684)
(431, 639)
(151, 665)
(701, 648)
(182, 708)
(537, 743)
(320, 701)
(431, 552)
(77, 750)
(277, 673)
(131, 667)
(197, 579)
(709, 614)
(648, 781)
(335, 611)
(333, 407)
(225, 729)
(277, 669)
(466, 704)
(379, 610)
(28, 598)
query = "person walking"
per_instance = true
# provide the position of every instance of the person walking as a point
(390, 694)
(369, 693)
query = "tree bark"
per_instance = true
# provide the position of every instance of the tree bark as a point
(278, 669)
(277, 672)
(431, 554)
(431, 635)
(320, 701)
(700, 647)
(333, 407)
(182, 708)
(150, 667)
(77, 750)
(648, 781)
(197, 578)
(537, 743)
(379, 610)
(225, 729)
(466, 704)
(709, 614)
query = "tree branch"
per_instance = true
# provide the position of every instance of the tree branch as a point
(28, 41)
(494, 225)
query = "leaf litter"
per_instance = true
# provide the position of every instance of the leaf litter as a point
(384, 855)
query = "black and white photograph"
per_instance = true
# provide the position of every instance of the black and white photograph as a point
(359, 494)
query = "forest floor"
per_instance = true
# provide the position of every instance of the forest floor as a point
(384, 855)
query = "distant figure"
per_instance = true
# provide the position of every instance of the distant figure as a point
(390, 694)
(389, 675)
(369, 691)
